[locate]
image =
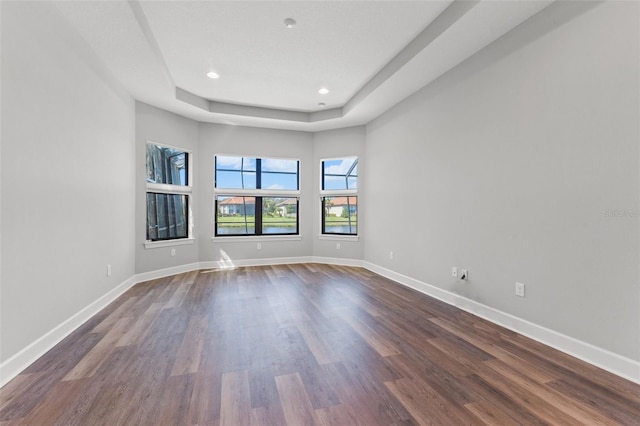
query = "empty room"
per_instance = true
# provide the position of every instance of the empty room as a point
(320, 212)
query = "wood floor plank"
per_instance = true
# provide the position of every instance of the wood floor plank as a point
(347, 390)
(446, 384)
(304, 344)
(427, 406)
(13, 389)
(179, 294)
(525, 398)
(336, 415)
(176, 397)
(235, 401)
(295, 401)
(623, 411)
(92, 361)
(267, 416)
(321, 350)
(116, 315)
(378, 342)
(204, 406)
(490, 414)
(573, 408)
(578, 368)
(360, 300)
(134, 334)
(55, 405)
(263, 390)
(188, 357)
(141, 403)
(109, 392)
(534, 373)
(492, 397)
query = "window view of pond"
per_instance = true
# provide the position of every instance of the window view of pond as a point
(260, 212)
(340, 215)
(340, 203)
(237, 215)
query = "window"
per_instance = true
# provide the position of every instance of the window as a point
(168, 193)
(339, 194)
(256, 196)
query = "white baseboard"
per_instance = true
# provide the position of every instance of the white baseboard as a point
(239, 263)
(338, 261)
(609, 361)
(614, 363)
(18, 362)
(161, 273)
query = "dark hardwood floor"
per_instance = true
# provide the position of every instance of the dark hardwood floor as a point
(303, 345)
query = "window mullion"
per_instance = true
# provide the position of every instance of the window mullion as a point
(258, 173)
(258, 217)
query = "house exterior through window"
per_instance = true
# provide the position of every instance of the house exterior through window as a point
(256, 196)
(339, 195)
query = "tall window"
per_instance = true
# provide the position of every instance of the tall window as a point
(168, 193)
(339, 194)
(256, 196)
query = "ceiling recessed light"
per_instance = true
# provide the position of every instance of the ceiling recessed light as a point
(289, 22)
(321, 104)
(323, 91)
(213, 74)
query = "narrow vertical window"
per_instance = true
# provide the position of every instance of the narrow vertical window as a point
(339, 195)
(168, 193)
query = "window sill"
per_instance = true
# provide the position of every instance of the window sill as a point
(338, 237)
(239, 239)
(168, 243)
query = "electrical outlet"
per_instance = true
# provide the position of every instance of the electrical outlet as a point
(108, 270)
(464, 274)
(337, 246)
(454, 272)
(173, 252)
(520, 289)
(259, 246)
(390, 255)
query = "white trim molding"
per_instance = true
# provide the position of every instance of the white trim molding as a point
(254, 238)
(168, 243)
(160, 273)
(27, 356)
(338, 237)
(624, 367)
(602, 358)
(239, 263)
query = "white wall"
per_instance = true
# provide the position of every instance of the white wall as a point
(510, 165)
(67, 176)
(251, 141)
(165, 128)
(347, 142)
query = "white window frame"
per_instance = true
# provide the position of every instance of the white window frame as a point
(162, 188)
(337, 193)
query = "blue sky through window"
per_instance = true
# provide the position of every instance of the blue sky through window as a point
(241, 173)
(340, 173)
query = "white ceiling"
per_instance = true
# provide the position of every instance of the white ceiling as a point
(369, 54)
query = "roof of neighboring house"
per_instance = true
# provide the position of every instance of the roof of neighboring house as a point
(288, 201)
(237, 200)
(342, 201)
